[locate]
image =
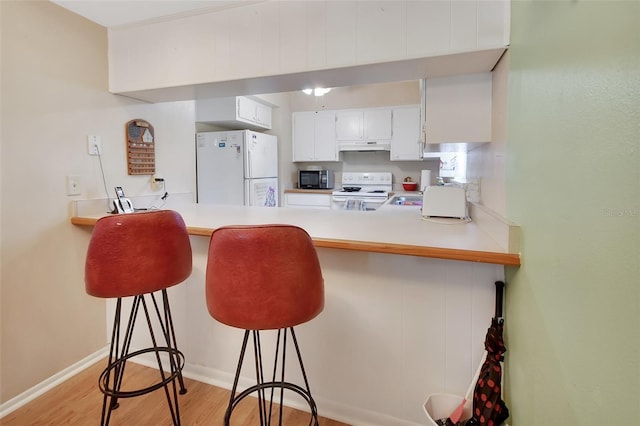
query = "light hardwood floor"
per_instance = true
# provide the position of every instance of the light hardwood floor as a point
(78, 402)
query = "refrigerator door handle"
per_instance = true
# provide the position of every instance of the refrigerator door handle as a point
(249, 163)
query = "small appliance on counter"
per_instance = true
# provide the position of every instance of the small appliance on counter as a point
(315, 179)
(444, 201)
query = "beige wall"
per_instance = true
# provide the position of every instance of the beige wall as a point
(54, 93)
(573, 184)
(366, 96)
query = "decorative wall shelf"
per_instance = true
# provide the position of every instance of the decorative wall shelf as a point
(141, 157)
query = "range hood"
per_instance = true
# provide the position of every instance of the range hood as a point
(364, 145)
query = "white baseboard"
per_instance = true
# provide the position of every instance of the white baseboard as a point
(53, 381)
(327, 408)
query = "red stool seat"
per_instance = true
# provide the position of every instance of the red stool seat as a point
(136, 255)
(264, 277)
(131, 254)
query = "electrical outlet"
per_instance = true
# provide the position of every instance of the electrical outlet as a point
(94, 145)
(157, 183)
(74, 184)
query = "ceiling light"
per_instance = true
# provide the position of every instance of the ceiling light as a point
(318, 91)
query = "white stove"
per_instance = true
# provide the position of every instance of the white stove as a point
(362, 191)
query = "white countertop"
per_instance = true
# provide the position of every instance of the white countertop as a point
(392, 224)
(390, 229)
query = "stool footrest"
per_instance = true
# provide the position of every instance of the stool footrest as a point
(120, 363)
(275, 385)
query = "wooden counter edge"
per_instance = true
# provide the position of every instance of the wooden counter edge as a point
(507, 259)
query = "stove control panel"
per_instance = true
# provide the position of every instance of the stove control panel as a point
(373, 178)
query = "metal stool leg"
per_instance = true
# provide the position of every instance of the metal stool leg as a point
(261, 385)
(173, 405)
(232, 398)
(117, 359)
(312, 404)
(110, 381)
(171, 340)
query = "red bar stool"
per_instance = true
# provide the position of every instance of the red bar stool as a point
(265, 277)
(137, 255)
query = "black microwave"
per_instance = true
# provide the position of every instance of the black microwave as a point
(315, 179)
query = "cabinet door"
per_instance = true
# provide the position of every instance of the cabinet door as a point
(377, 124)
(405, 143)
(246, 109)
(263, 115)
(303, 134)
(325, 136)
(349, 125)
(314, 201)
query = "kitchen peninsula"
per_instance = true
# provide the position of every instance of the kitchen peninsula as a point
(393, 231)
(407, 307)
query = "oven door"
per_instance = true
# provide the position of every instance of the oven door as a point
(356, 202)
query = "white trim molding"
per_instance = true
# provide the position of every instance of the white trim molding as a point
(53, 381)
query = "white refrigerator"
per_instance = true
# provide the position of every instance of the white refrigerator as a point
(237, 167)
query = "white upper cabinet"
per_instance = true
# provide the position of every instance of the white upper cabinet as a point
(377, 124)
(236, 112)
(458, 109)
(363, 125)
(265, 39)
(406, 144)
(349, 125)
(254, 112)
(314, 136)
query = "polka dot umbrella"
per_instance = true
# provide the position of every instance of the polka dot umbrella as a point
(488, 407)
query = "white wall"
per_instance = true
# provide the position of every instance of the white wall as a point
(488, 161)
(54, 93)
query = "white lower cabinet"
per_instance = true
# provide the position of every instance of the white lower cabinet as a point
(306, 200)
